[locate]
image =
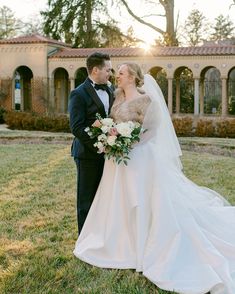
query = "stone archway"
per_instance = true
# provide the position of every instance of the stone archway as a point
(80, 76)
(61, 90)
(183, 91)
(211, 92)
(22, 97)
(159, 74)
(231, 91)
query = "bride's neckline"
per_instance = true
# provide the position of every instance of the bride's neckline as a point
(134, 99)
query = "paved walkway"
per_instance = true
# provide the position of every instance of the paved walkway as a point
(3, 127)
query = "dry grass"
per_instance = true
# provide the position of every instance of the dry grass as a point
(38, 222)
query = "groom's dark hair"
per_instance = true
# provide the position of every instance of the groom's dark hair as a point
(96, 59)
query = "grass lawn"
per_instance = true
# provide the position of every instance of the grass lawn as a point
(38, 221)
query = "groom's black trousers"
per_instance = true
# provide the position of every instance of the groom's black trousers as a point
(89, 173)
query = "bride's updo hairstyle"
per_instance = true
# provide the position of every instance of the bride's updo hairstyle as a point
(135, 70)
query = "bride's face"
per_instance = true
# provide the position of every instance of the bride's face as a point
(124, 78)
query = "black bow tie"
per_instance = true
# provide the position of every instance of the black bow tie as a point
(103, 87)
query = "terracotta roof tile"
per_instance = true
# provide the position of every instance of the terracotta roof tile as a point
(68, 52)
(30, 39)
(189, 51)
(159, 51)
(84, 52)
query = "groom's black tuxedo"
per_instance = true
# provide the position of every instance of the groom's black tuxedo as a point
(84, 103)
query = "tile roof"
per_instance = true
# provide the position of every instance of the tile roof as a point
(200, 50)
(84, 52)
(158, 51)
(30, 39)
(68, 52)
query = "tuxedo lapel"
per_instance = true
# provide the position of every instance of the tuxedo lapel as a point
(92, 93)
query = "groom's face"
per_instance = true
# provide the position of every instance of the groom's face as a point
(102, 74)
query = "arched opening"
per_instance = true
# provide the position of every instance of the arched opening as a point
(183, 91)
(80, 76)
(231, 91)
(159, 74)
(61, 90)
(212, 90)
(23, 89)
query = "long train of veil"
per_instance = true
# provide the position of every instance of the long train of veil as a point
(161, 131)
(159, 125)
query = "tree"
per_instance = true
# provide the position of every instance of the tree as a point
(9, 25)
(111, 36)
(232, 4)
(32, 26)
(195, 27)
(169, 34)
(78, 22)
(223, 28)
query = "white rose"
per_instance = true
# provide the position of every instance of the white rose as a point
(107, 122)
(100, 147)
(111, 140)
(124, 129)
(102, 137)
(105, 129)
(131, 124)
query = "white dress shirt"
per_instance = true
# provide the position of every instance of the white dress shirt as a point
(104, 97)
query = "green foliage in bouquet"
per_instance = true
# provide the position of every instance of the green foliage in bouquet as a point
(115, 140)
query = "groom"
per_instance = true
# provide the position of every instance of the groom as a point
(91, 97)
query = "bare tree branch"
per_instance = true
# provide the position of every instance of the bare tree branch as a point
(232, 4)
(140, 19)
(154, 15)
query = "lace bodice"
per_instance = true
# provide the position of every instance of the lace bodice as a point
(134, 110)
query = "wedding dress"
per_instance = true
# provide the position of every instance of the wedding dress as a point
(148, 216)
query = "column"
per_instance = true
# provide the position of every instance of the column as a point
(177, 95)
(201, 96)
(196, 96)
(224, 97)
(72, 83)
(170, 95)
(51, 94)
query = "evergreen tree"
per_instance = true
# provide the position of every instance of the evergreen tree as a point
(195, 28)
(78, 22)
(223, 29)
(9, 25)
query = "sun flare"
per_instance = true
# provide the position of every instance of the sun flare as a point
(145, 45)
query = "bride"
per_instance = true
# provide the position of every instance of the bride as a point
(148, 216)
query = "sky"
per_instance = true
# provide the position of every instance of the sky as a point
(26, 9)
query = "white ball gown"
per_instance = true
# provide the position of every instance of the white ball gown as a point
(148, 216)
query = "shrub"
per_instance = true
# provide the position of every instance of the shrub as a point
(183, 126)
(14, 120)
(31, 121)
(225, 128)
(205, 128)
(2, 115)
(28, 121)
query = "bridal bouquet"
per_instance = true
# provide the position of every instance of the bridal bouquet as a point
(114, 139)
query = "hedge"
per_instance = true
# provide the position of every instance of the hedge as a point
(184, 126)
(31, 121)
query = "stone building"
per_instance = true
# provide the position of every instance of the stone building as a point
(37, 74)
